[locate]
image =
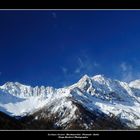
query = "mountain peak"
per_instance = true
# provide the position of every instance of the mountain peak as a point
(99, 78)
(85, 77)
(135, 84)
(12, 83)
(7, 84)
(97, 94)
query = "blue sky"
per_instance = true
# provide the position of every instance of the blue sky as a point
(56, 48)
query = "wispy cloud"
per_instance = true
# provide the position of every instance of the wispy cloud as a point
(95, 64)
(85, 65)
(128, 73)
(77, 70)
(79, 66)
(64, 70)
(124, 66)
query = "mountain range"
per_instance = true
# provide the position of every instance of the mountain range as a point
(93, 103)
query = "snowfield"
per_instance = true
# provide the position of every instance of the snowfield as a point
(111, 97)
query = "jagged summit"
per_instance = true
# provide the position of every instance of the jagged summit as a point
(97, 95)
(98, 76)
(84, 78)
(12, 84)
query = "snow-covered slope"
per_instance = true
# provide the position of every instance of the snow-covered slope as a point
(18, 100)
(96, 94)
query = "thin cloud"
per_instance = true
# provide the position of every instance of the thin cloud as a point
(128, 73)
(95, 64)
(64, 70)
(80, 66)
(77, 71)
(85, 65)
(80, 62)
(124, 66)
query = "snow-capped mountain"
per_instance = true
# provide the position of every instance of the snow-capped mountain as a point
(89, 102)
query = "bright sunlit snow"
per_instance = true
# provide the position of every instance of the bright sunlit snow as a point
(111, 97)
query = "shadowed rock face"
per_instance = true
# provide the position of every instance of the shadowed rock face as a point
(8, 123)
